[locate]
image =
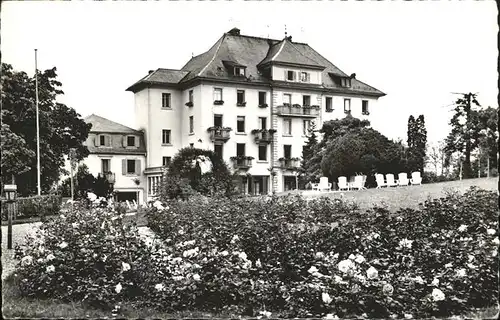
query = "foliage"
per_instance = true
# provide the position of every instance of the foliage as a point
(417, 140)
(308, 152)
(365, 151)
(85, 182)
(296, 258)
(61, 128)
(432, 177)
(85, 260)
(274, 256)
(36, 206)
(195, 170)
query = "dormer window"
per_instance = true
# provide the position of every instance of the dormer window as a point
(130, 141)
(305, 77)
(239, 71)
(290, 75)
(345, 82)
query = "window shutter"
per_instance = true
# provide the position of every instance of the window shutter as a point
(124, 166)
(138, 167)
(107, 141)
(124, 141)
(96, 140)
(136, 143)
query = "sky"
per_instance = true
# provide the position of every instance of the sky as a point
(418, 53)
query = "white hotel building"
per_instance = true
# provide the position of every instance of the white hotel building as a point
(246, 97)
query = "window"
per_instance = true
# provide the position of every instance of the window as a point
(130, 141)
(217, 94)
(287, 127)
(262, 98)
(165, 100)
(328, 104)
(347, 105)
(240, 97)
(239, 71)
(287, 98)
(217, 120)
(191, 124)
(240, 149)
(306, 100)
(345, 82)
(304, 77)
(131, 167)
(153, 185)
(263, 123)
(287, 151)
(306, 127)
(166, 161)
(218, 149)
(191, 145)
(240, 124)
(190, 95)
(364, 107)
(102, 140)
(290, 75)
(263, 152)
(105, 166)
(165, 139)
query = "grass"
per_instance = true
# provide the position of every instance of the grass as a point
(14, 305)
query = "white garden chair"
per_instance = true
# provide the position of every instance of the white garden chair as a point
(358, 183)
(403, 179)
(416, 178)
(324, 184)
(314, 186)
(390, 180)
(379, 178)
(343, 183)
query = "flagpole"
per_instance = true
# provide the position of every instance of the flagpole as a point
(37, 129)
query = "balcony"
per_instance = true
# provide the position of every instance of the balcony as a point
(297, 110)
(219, 133)
(290, 164)
(263, 135)
(242, 162)
(109, 176)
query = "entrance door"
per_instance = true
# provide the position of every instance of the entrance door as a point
(289, 183)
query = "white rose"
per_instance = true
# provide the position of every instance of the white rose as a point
(345, 265)
(196, 277)
(118, 288)
(159, 287)
(491, 231)
(326, 298)
(462, 228)
(74, 225)
(435, 282)
(461, 272)
(418, 280)
(437, 295)
(224, 253)
(258, 264)
(27, 260)
(50, 269)
(319, 255)
(372, 273)
(448, 265)
(359, 259)
(408, 316)
(495, 241)
(63, 245)
(352, 257)
(312, 269)
(243, 256)
(50, 257)
(125, 267)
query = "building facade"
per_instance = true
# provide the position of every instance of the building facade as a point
(118, 153)
(249, 99)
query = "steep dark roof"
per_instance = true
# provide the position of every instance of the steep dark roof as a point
(100, 124)
(253, 53)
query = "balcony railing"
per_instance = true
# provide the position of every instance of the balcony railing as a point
(292, 163)
(298, 111)
(109, 176)
(263, 136)
(219, 133)
(242, 162)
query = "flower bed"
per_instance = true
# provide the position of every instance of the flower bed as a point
(276, 256)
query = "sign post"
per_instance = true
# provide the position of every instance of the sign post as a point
(10, 194)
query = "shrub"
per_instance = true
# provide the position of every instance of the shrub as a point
(301, 258)
(185, 177)
(35, 206)
(94, 258)
(431, 177)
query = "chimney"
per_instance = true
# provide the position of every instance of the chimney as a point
(150, 71)
(353, 76)
(234, 32)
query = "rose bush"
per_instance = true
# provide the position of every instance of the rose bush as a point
(275, 257)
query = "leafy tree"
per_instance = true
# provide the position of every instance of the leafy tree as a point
(61, 128)
(488, 135)
(465, 131)
(417, 140)
(435, 156)
(84, 182)
(185, 175)
(308, 151)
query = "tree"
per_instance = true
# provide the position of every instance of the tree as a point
(465, 131)
(61, 128)
(308, 151)
(417, 140)
(84, 182)
(435, 156)
(488, 136)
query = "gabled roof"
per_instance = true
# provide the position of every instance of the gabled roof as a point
(253, 53)
(100, 124)
(286, 53)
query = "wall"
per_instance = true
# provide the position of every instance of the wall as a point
(278, 73)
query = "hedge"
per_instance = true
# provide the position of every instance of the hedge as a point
(35, 206)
